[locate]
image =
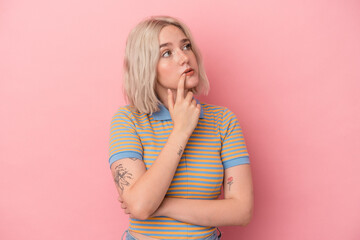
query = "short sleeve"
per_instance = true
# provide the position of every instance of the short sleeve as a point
(233, 150)
(124, 141)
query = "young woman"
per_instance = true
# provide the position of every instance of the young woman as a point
(169, 153)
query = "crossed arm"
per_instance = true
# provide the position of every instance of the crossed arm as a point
(235, 209)
(142, 192)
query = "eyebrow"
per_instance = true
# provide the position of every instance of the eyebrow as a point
(182, 41)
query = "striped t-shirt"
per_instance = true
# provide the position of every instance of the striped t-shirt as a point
(217, 143)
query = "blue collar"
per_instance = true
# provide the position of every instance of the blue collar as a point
(164, 114)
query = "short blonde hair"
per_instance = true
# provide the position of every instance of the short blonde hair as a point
(142, 54)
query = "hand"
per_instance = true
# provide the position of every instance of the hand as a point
(185, 112)
(124, 206)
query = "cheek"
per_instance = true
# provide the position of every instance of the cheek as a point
(166, 72)
(163, 69)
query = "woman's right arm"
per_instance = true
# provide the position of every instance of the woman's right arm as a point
(141, 190)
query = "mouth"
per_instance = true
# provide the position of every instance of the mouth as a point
(189, 72)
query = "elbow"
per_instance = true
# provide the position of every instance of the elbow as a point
(244, 218)
(140, 211)
(140, 215)
(138, 208)
(244, 222)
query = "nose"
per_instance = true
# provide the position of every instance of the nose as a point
(182, 57)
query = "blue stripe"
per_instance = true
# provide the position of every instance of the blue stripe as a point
(190, 182)
(199, 167)
(192, 194)
(218, 127)
(200, 177)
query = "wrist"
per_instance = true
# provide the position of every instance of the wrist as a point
(162, 210)
(180, 134)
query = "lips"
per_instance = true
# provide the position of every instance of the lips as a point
(188, 70)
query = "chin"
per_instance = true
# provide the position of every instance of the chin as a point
(192, 83)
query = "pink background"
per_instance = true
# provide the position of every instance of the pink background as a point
(289, 71)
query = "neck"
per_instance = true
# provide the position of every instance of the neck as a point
(163, 96)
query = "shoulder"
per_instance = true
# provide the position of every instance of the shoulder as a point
(127, 117)
(216, 110)
(221, 115)
(127, 112)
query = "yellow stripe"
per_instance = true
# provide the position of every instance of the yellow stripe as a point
(152, 148)
(148, 221)
(194, 151)
(133, 148)
(192, 155)
(149, 135)
(199, 174)
(236, 146)
(213, 122)
(209, 142)
(201, 160)
(198, 131)
(211, 191)
(205, 144)
(153, 232)
(189, 197)
(234, 152)
(172, 228)
(207, 170)
(122, 139)
(197, 193)
(197, 179)
(200, 184)
(201, 165)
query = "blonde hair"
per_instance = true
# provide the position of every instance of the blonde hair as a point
(142, 54)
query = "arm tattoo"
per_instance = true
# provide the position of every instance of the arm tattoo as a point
(180, 151)
(122, 176)
(230, 181)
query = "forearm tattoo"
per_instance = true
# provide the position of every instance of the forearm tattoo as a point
(180, 151)
(122, 175)
(230, 181)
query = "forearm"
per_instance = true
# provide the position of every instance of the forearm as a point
(146, 194)
(222, 212)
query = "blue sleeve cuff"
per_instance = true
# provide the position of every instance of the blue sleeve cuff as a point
(121, 155)
(236, 161)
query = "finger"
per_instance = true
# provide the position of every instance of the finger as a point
(170, 100)
(180, 89)
(190, 96)
(194, 103)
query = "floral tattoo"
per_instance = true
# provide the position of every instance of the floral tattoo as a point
(122, 175)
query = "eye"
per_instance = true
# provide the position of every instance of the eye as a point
(167, 53)
(187, 46)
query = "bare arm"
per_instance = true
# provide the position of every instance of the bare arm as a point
(235, 209)
(141, 191)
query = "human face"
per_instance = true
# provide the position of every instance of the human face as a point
(176, 58)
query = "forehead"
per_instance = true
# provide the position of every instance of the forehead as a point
(171, 34)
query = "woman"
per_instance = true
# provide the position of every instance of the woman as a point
(169, 153)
